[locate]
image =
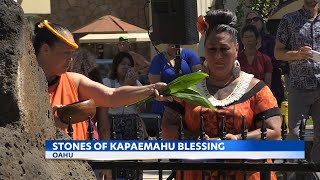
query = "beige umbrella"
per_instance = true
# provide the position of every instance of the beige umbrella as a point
(111, 38)
(108, 29)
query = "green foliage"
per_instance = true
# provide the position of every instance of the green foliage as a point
(240, 12)
(264, 7)
(183, 82)
(34, 19)
(193, 97)
(184, 88)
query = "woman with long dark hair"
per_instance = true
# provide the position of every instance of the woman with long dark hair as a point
(122, 73)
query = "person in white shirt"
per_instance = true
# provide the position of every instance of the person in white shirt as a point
(122, 73)
(141, 64)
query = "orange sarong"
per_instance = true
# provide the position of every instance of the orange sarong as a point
(62, 93)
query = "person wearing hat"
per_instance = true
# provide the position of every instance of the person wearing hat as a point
(140, 62)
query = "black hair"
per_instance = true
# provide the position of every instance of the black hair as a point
(43, 35)
(116, 61)
(250, 28)
(222, 21)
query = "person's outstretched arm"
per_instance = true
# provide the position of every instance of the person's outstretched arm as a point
(114, 97)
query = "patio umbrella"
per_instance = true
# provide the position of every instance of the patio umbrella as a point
(109, 28)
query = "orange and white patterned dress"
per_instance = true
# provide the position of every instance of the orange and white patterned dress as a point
(257, 102)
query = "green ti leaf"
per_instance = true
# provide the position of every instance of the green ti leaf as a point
(185, 81)
(194, 97)
(184, 87)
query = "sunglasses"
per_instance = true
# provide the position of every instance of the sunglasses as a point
(254, 19)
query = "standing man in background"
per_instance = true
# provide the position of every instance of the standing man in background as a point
(298, 34)
(140, 63)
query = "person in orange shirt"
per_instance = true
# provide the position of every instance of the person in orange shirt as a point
(54, 48)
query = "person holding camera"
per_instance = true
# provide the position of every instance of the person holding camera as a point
(122, 73)
(140, 62)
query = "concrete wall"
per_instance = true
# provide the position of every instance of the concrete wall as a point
(77, 13)
(35, 6)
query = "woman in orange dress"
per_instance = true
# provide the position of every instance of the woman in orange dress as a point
(54, 48)
(233, 92)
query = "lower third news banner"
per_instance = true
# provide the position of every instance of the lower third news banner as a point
(167, 149)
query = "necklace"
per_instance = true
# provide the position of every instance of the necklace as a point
(235, 95)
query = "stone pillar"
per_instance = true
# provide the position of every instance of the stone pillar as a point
(26, 118)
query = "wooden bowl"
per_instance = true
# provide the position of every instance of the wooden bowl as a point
(78, 111)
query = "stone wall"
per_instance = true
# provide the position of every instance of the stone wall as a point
(77, 13)
(26, 119)
(74, 14)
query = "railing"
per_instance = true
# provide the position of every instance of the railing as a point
(263, 168)
(281, 166)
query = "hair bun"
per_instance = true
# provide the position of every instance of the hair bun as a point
(220, 16)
